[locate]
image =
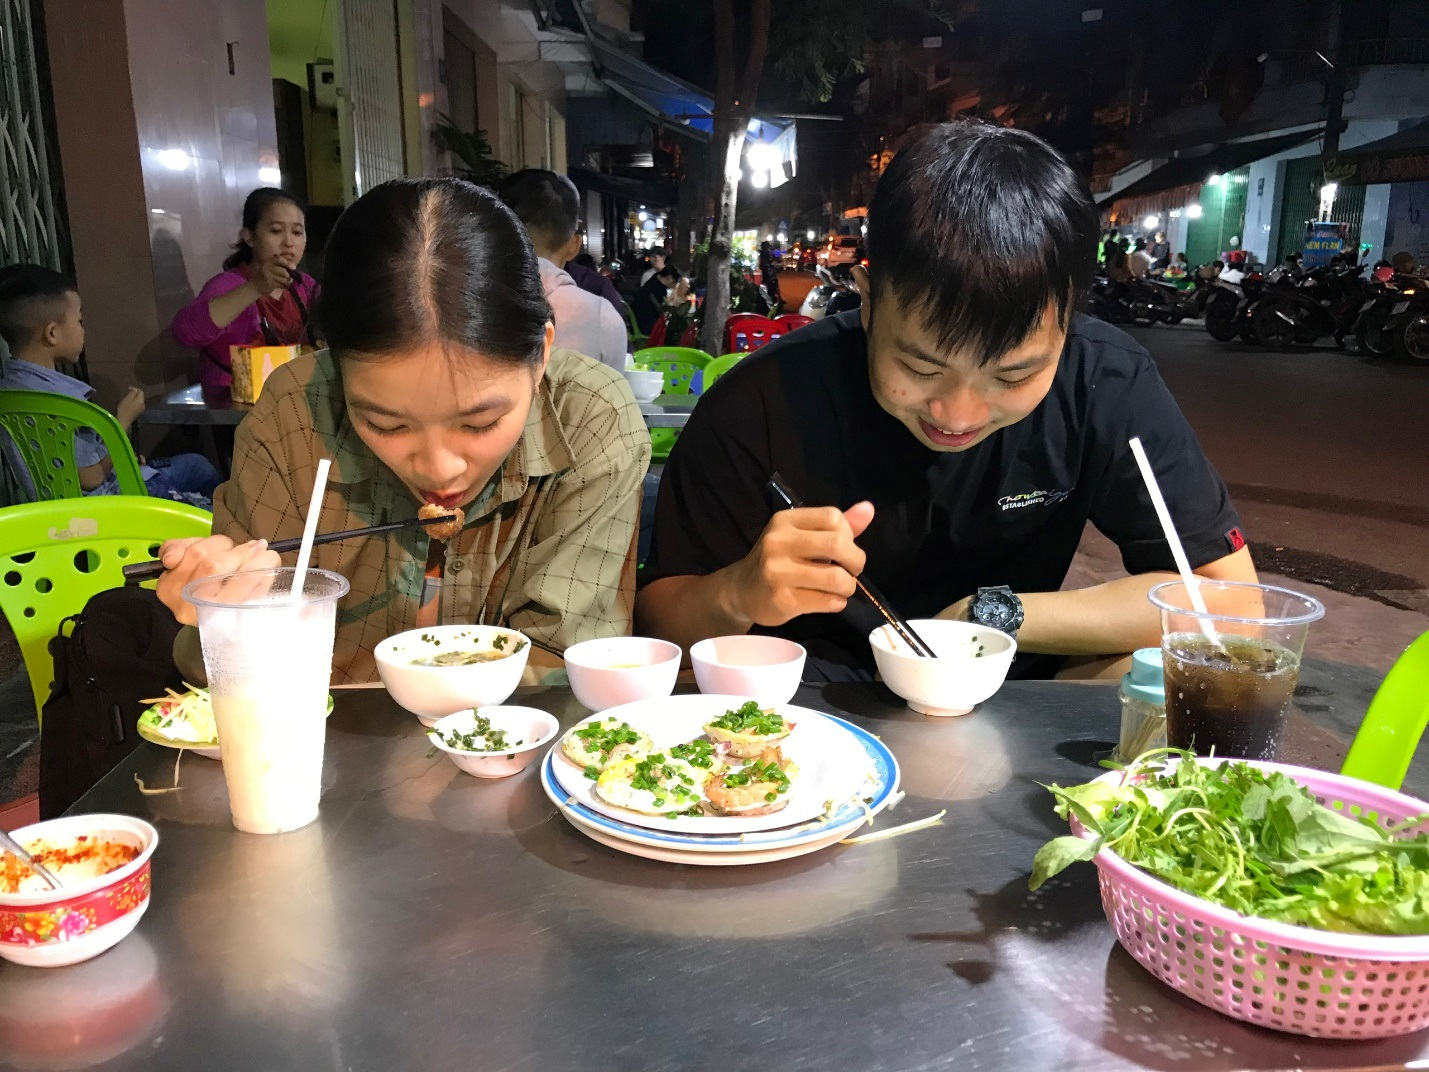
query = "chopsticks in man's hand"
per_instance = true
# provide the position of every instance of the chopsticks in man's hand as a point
(874, 596)
(148, 571)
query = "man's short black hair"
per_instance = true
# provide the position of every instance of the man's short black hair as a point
(548, 204)
(669, 273)
(31, 296)
(982, 227)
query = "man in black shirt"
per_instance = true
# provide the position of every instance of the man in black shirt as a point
(962, 427)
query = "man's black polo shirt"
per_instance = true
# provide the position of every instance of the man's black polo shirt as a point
(1011, 510)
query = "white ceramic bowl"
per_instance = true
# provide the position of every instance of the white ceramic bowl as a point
(532, 727)
(50, 928)
(645, 384)
(764, 668)
(972, 664)
(618, 670)
(433, 692)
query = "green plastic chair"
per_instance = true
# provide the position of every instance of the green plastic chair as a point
(719, 366)
(1394, 723)
(55, 555)
(632, 329)
(42, 426)
(679, 375)
(688, 354)
(661, 440)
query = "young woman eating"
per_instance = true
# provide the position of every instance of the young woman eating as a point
(260, 298)
(440, 387)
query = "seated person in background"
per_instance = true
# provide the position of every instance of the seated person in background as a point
(582, 269)
(662, 289)
(41, 322)
(952, 438)
(260, 298)
(441, 386)
(549, 206)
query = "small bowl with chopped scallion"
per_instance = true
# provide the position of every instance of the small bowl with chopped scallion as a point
(443, 669)
(493, 742)
(972, 663)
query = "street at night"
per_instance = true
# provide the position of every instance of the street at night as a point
(662, 535)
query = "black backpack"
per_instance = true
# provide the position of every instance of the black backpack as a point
(118, 651)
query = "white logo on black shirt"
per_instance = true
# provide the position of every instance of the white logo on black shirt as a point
(1032, 498)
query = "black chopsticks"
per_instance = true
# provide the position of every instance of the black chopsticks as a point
(880, 604)
(148, 571)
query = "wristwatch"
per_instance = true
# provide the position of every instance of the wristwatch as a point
(997, 608)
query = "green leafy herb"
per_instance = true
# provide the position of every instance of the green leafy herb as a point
(499, 641)
(1258, 843)
(751, 718)
(760, 772)
(655, 774)
(697, 753)
(483, 737)
(592, 771)
(604, 736)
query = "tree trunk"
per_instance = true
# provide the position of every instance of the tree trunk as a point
(735, 93)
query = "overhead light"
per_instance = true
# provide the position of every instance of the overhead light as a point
(1151, 222)
(1213, 180)
(174, 159)
(809, 234)
(1194, 212)
(270, 176)
(783, 238)
(1327, 199)
(763, 157)
(760, 179)
(644, 216)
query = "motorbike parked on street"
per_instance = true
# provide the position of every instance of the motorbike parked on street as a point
(1298, 310)
(1136, 301)
(1395, 302)
(1228, 303)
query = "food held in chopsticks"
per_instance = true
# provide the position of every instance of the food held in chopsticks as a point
(596, 745)
(757, 788)
(481, 736)
(748, 730)
(446, 529)
(1254, 841)
(655, 785)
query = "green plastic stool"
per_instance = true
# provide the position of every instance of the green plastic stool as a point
(719, 366)
(42, 426)
(1397, 715)
(661, 440)
(56, 555)
(688, 354)
(632, 329)
(679, 375)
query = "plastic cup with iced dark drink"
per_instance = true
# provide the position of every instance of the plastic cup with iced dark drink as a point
(1231, 672)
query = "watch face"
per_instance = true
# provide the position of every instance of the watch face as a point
(997, 610)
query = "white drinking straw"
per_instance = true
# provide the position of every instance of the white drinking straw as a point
(310, 529)
(1193, 583)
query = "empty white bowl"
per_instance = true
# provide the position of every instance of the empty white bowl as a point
(972, 664)
(433, 692)
(618, 670)
(532, 727)
(764, 668)
(645, 384)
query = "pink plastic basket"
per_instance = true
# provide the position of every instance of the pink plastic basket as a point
(1310, 982)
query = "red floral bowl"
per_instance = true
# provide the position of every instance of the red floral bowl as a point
(48, 928)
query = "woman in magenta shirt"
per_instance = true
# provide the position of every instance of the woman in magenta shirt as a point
(260, 299)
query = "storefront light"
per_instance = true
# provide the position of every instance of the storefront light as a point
(1194, 212)
(760, 179)
(1214, 180)
(270, 176)
(643, 216)
(174, 159)
(762, 157)
(1151, 222)
(809, 234)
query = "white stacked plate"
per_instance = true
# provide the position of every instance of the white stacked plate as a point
(845, 776)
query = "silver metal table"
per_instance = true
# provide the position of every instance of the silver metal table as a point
(436, 922)
(668, 411)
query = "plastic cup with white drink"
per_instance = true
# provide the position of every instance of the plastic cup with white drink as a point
(269, 660)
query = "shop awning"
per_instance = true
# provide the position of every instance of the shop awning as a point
(1402, 157)
(1190, 170)
(642, 191)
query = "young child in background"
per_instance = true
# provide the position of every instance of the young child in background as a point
(41, 322)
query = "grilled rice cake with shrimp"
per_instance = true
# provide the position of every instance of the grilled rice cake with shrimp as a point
(759, 787)
(748, 730)
(594, 746)
(656, 784)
